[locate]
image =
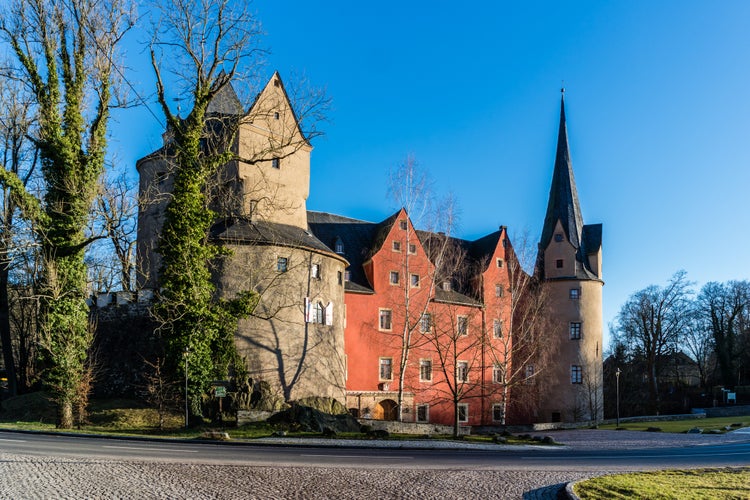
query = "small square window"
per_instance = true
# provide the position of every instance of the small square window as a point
(559, 263)
(385, 319)
(396, 246)
(393, 278)
(576, 374)
(402, 224)
(575, 293)
(282, 264)
(276, 115)
(575, 330)
(276, 163)
(412, 248)
(499, 263)
(447, 286)
(463, 412)
(462, 325)
(315, 271)
(414, 280)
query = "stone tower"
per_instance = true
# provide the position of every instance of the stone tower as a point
(570, 262)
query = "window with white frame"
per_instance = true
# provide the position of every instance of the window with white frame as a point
(447, 286)
(462, 371)
(393, 278)
(499, 263)
(385, 319)
(575, 330)
(576, 374)
(412, 248)
(386, 369)
(282, 264)
(463, 412)
(497, 329)
(402, 224)
(315, 271)
(497, 374)
(425, 323)
(498, 412)
(423, 413)
(462, 325)
(347, 275)
(396, 246)
(498, 290)
(415, 281)
(425, 370)
(339, 246)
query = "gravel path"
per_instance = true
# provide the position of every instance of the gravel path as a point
(62, 478)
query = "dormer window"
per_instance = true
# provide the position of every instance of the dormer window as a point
(339, 246)
(447, 286)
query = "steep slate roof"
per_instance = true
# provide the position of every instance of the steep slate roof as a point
(243, 231)
(563, 197)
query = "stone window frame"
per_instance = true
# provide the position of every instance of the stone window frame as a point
(385, 314)
(385, 363)
(425, 368)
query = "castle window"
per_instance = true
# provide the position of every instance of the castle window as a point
(282, 264)
(529, 374)
(463, 412)
(386, 369)
(498, 290)
(498, 415)
(402, 224)
(497, 374)
(558, 237)
(340, 276)
(415, 281)
(339, 246)
(276, 82)
(423, 413)
(318, 316)
(276, 163)
(559, 263)
(499, 263)
(576, 374)
(462, 371)
(575, 330)
(394, 278)
(462, 325)
(276, 115)
(425, 370)
(385, 320)
(447, 285)
(575, 293)
(425, 324)
(396, 246)
(412, 248)
(347, 275)
(315, 271)
(497, 329)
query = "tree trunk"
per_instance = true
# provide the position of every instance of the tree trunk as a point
(64, 414)
(5, 336)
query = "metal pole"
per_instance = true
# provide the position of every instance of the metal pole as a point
(617, 376)
(185, 355)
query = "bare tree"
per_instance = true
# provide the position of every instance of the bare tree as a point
(722, 308)
(651, 324)
(698, 342)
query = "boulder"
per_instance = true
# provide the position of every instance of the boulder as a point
(309, 419)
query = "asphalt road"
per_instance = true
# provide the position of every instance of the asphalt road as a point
(552, 458)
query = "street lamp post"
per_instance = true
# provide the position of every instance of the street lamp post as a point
(185, 355)
(617, 376)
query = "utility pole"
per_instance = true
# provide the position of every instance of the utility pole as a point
(617, 376)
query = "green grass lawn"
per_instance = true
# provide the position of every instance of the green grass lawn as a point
(719, 484)
(678, 426)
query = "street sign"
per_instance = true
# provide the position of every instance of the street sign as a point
(220, 392)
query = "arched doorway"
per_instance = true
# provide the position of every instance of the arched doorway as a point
(386, 410)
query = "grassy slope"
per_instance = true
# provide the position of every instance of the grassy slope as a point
(717, 423)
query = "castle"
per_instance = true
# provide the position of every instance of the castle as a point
(396, 322)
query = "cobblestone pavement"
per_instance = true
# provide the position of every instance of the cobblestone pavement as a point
(32, 477)
(35, 477)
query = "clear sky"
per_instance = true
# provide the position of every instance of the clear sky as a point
(656, 100)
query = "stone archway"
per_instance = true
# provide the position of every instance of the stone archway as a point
(386, 410)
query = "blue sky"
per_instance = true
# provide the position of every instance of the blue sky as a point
(656, 100)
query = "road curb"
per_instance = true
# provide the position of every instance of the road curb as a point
(570, 494)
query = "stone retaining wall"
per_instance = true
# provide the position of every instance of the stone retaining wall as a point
(413, 428)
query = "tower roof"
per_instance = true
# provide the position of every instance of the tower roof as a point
(563, 197)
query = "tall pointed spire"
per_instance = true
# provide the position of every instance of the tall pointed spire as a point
(563, 196)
